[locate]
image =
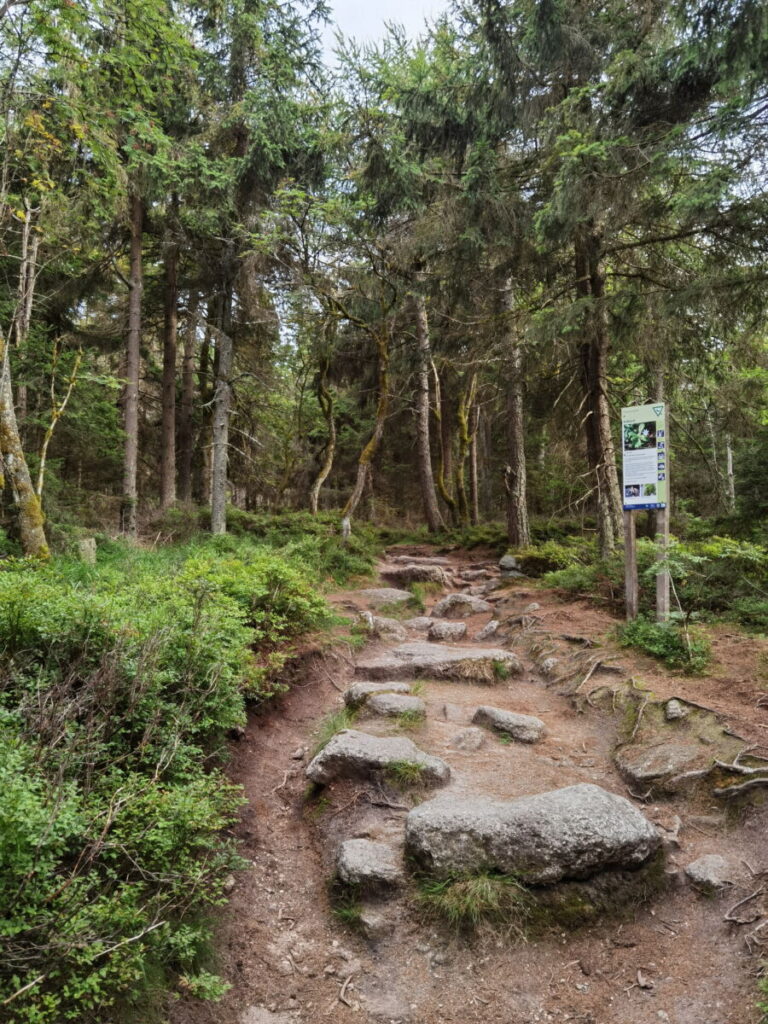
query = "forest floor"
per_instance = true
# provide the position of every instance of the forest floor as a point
(675, 958)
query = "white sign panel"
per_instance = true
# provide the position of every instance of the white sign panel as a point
(645, 456)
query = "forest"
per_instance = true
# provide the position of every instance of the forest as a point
(260, 316)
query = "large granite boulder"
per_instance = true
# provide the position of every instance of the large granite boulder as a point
(568, 833)
(351, 754)
(358, 693)
(459, 606)
(523, 728)
(439, 661)
(364, 863)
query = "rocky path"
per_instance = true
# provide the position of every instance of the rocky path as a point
(480, 740)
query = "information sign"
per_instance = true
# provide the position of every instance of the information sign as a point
(645, 456)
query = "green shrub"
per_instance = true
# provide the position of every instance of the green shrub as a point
(118, 684)
(752, 612)
(674, 644)
(551, 555)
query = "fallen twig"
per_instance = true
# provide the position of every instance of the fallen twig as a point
(728, 916)
(639, 718)
(282, 784)
(343, 990)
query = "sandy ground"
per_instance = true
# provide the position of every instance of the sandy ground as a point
(289, 959)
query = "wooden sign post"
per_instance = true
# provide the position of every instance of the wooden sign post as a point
(645, 485)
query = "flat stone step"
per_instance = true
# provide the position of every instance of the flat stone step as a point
(569, 833)
(379, 597)
(392, 705)
(440, 661)
(352, 754)
(443, 629)
(415, 573)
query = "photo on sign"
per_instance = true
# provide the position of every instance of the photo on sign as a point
(632, 491)
(649, 490)
(638, 436)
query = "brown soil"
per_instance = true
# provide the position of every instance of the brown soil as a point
(289, 959)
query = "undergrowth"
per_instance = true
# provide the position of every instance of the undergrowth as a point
(118, 685)
(678, 646)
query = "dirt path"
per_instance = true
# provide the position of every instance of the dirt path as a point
(289, 959)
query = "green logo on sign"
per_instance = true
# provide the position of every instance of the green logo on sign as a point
(658, 409)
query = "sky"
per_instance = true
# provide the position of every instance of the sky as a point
(364, 19)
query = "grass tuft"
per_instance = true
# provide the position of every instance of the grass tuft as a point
(327, 728)
(466, 903)
(405, 774)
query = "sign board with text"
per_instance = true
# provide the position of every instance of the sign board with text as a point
(645, 457)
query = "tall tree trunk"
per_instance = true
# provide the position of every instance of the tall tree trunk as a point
(730, 477)
(222, 400)
(170, 330)
(132, 368)
(515, 473)
(590, 285)
(201, 475)
(186, 418)
(474, 487)
(445, 463)
(463, 413)
(30, 514)
(368, 452)
(30, 244)
(325, 398)
(423, 447)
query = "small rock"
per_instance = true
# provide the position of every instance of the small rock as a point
(361, 862)
(674, 710)
(383, 628)
(453, 713)
(709, 873)
(524, 728)
(390, 705)
(548, 667)
(374, 924)
(420, 623)
(507, 563)
(468, 739)
(298, 754)
(229, 884)
(359, 693)
(487, 631)
(447, 631)
(529, 609)
(459, 606)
